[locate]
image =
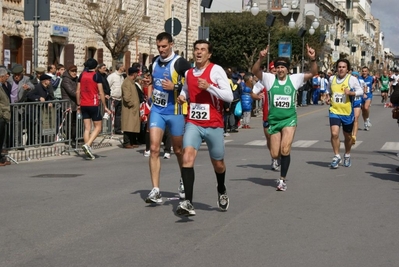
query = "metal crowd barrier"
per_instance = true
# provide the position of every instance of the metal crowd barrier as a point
(38, 123)
(46, 124)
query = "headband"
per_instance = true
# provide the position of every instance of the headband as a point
(282, 63)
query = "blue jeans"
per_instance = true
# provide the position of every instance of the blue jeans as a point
(316, 96)
(304, 97)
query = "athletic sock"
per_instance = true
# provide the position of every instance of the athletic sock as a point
(220, 177)
(188, 176)
(285, 164)
(147, 141)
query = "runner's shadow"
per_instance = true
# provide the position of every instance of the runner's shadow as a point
(255, 166)
(319, 163)
(390, 174)
(259, 181)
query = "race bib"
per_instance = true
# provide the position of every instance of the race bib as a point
(339, 98)
(199, 112)
(282, 101)
(160, 98)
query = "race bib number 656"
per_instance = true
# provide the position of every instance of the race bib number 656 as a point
(160, 98)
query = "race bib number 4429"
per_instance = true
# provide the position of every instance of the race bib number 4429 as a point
(160, 98)
(199, 111)
(282, 101)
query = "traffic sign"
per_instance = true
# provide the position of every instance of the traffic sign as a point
(176, 26)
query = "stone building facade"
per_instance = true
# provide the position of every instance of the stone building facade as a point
(64, 39)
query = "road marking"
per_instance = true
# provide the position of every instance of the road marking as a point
(256, 143)
(225, 141)
(390, 146)
(342, 145)
(304, 143)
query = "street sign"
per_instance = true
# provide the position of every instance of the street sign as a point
(335, 56)
(176, 26)
(203, 33)
(43, 10)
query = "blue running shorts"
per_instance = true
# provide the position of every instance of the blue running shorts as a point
(174, 122)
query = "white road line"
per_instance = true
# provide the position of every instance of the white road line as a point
(304, 143)
(390, 146)
(342, 145)
(256, 143)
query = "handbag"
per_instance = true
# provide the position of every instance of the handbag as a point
(238, 109)
(395, 113)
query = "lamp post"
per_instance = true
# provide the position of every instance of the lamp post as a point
(253, 7)
(315, 25)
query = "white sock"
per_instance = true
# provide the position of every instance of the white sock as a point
(347, 155)
(338, 156)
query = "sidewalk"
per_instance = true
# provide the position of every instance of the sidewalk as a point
(61, 149)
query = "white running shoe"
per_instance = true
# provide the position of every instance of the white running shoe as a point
(182, 194)
(166, 155)
(147, 153)
(87, 149)
(281, 185)
(275, 165)
(154, 196)
(185, 208)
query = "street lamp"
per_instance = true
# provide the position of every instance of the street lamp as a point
(253, 7)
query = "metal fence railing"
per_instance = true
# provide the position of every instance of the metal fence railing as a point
(38, 124)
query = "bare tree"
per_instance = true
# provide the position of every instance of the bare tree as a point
(117, 22)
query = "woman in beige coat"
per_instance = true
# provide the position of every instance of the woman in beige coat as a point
(130, 110)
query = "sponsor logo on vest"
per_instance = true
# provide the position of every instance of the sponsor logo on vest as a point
(287, 90)
(198, 107)
(283, 98)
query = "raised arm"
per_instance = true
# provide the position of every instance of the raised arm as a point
(313, 64)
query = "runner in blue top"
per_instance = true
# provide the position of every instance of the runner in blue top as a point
(367, 97)
(166, 72)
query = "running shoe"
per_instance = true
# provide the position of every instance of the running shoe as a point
(182, 194)
(166, 155)
(347, 161)
(335, 162)
(366, 127)
(226, 134)
(275, 165)
(369, 123)
(185, 208)
(147, 153)
(281, 185)
(87, 149)
(223, 201)
(154, 197)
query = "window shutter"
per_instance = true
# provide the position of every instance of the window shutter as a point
(100, 57)
(50, 57)
(69, 55)
(6, 45)
(27, 53)
(127, 59)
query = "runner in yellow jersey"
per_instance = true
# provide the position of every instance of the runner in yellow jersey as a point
(342, 89)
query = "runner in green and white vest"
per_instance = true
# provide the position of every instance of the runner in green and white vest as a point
(282, 90)
(384, 80)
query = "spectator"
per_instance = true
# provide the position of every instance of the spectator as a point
(115, 81)
(20, 84)
(68, 92)
(130, 110)
(5, 115)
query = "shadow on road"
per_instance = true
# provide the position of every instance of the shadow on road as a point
(391, 174)
(255, 166)
(259, 181)
(319, 163)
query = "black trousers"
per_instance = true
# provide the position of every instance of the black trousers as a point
(3, 129)
(118, 116)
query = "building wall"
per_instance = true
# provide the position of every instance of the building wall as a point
(64, 13)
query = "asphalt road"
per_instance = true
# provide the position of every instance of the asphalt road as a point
(67, 211)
